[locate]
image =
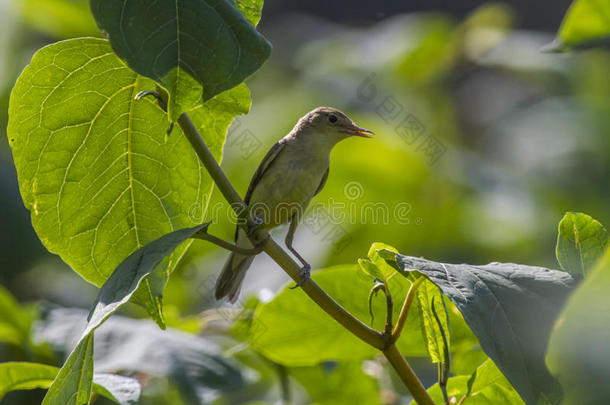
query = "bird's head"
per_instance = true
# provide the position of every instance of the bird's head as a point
(331, 123)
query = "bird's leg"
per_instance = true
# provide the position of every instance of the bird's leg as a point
(306, 269)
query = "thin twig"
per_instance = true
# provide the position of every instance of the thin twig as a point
(230, 246)
(406, 306)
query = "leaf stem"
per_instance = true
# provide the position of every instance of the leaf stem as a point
(406, 306)
(285, 261)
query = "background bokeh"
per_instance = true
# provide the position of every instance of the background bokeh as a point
(521, 137)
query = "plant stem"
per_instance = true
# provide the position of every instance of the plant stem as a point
(285, 261)
(406, 306)
(407, 375)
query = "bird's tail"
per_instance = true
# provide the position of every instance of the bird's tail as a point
(234, 270)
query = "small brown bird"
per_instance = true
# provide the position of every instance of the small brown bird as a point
(293, 171)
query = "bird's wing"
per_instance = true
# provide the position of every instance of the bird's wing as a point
(322, 182)
(258, 174)
(262, 168)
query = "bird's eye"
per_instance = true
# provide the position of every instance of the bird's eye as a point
(332, 118)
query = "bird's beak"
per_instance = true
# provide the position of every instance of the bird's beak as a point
(358, 131)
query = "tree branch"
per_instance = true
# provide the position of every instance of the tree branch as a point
(406, 306)
(407, 375)
(285, 261)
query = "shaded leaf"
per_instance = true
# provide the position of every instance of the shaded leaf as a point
(196, 49)
(118, 289)
(578, 349)
(580, 243)
(313, 337)
(492, 299)
(15, 321)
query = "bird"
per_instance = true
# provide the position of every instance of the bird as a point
(292, 172)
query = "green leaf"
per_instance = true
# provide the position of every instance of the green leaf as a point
(196, 49)
(95, 166)
(314, 337)
(492, 299)
(485, 386)
(337, 384)
(125, 280)
(427, 293)
(73, 383)
(586, 24)
(580, 243)
(26, 376)
(578, 349)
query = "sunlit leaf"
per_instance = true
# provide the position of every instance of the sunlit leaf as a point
(427, 294)
(586, 24)
(485, 386)
(73, 383)
(196, 49)
(95, 166)
(580, 243)
(492, 299)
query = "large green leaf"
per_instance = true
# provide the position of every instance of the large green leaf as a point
(511, 308)
(73, 383)
(485, 386)
(196, 49)
(95, 167)
(578, 350)
(586, 24)
(25, 376)
(580, 243)
(298, 333)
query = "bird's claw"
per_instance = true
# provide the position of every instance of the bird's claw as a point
(305, 274)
